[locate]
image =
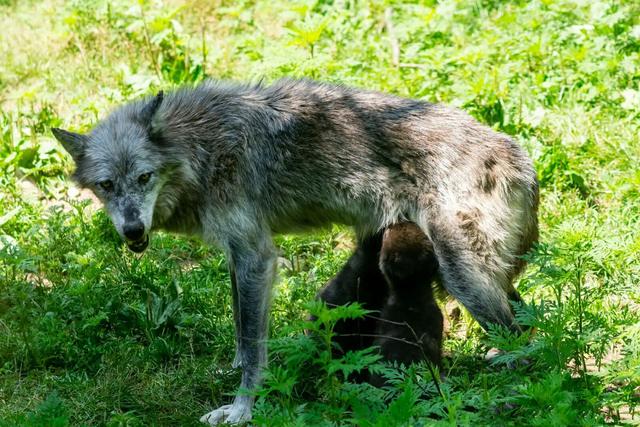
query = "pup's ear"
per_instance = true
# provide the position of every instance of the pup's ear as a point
(150, 109)
(74, 143)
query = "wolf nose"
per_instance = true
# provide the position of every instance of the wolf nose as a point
(134, 231)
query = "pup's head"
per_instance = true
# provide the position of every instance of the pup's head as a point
(407, 257)
(119, 161)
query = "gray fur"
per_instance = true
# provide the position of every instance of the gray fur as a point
(235, 164)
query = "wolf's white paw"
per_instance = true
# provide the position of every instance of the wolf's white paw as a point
(492, 354)
(495, 352)
(216, 416)
(231, 414)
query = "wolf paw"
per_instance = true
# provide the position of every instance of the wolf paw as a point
(495, 352)
(230, 414)
(492, 353)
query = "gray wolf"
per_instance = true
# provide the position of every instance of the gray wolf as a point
(236, 163)
(391, 274)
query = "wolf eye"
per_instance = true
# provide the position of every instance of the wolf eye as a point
(144, 178)
(106, 185)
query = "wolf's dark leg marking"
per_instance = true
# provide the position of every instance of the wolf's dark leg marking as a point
(411, 325)
(237, 362)
(360, 280)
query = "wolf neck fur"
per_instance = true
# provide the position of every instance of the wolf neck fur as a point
(173, 210)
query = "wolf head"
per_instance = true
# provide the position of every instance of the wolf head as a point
(120, 162)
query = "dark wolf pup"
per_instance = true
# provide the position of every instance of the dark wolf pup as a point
(235, 164)
(408, 264)
(392, 274)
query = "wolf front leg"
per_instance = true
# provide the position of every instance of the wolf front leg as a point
(254, 270)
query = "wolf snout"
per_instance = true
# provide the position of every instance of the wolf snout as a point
(134, 231)
(137, 238)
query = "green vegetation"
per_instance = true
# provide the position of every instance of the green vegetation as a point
(92, 334)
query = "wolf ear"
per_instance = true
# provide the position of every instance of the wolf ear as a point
(74, 143)
(150, 109)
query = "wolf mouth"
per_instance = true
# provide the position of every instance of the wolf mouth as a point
(139, 245)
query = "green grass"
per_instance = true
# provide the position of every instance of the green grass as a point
(92, 335)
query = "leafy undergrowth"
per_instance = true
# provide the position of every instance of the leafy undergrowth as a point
(91, 334)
